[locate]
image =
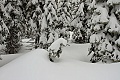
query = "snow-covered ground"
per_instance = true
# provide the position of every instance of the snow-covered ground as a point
(72, 65)
(9, 57)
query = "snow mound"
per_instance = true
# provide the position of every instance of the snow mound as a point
(25, 40)
(36, 66)
(56, 44)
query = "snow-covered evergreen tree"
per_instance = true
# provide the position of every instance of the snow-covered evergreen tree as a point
(55, 48)
(48, 23)
(12, 17)
(105, 31)
(63, 12)
(79, 20)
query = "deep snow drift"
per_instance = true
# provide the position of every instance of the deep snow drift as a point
(26, 47)
(71, 66)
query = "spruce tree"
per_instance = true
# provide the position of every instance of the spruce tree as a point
(48, 23)
(12, 21)
(105, 31)
(79, 20)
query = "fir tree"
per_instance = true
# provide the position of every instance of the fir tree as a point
(12, 21)
(48, 23)
(105, 31)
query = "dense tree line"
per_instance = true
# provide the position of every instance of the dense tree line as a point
(94, 21)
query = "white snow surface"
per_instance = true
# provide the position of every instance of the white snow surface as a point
(24, 49)
(35, 65)
(56, 44)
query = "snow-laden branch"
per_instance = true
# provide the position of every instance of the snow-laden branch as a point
(113, 2)
(101, 16)
(113, 25)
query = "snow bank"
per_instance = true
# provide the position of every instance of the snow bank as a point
(36, 66)
(25, 40)
(8, 58)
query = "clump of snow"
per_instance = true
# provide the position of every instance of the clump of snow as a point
(51, 38)
(92, 5)
(97, 27)
(9, 7)
(43, 38)
(80, 9)
(113, 25)
(34, 1)
(101, 15)
(0, 28)
(1, 6)
(109, 47)
(112, 2)
(44, 23)
(79, 24)
(4, 26)
(25, 40)
(94, 38)
(33, 24)
(117, 41)
(71, 34)
(56, 44)
(116, 55)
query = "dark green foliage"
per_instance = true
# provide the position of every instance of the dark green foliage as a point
(12, 41)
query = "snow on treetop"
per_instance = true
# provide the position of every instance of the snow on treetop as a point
(80, 9)
(109, 47)
(46, 1)
(44, 23)
(74, 22)
(34, 1)
(49, 16)
(117, 41)
(113, 25)
(43, 38)
(101, 15)
(79, 24)
(112, 2)
(92, 5)
(75, 1)
(51, 38)
(38, 8)
(118, 11)
(53, 10)
(4, 26)
(19, 2)
(97, 27)
(1, 6)
(0, 28)
(56, 44)
(33, 25)
(3, 1)
(115, 54)
(94, 38)
(9, 7)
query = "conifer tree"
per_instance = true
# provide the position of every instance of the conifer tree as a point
(12, 21)
(105, 31)
(48, 23)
